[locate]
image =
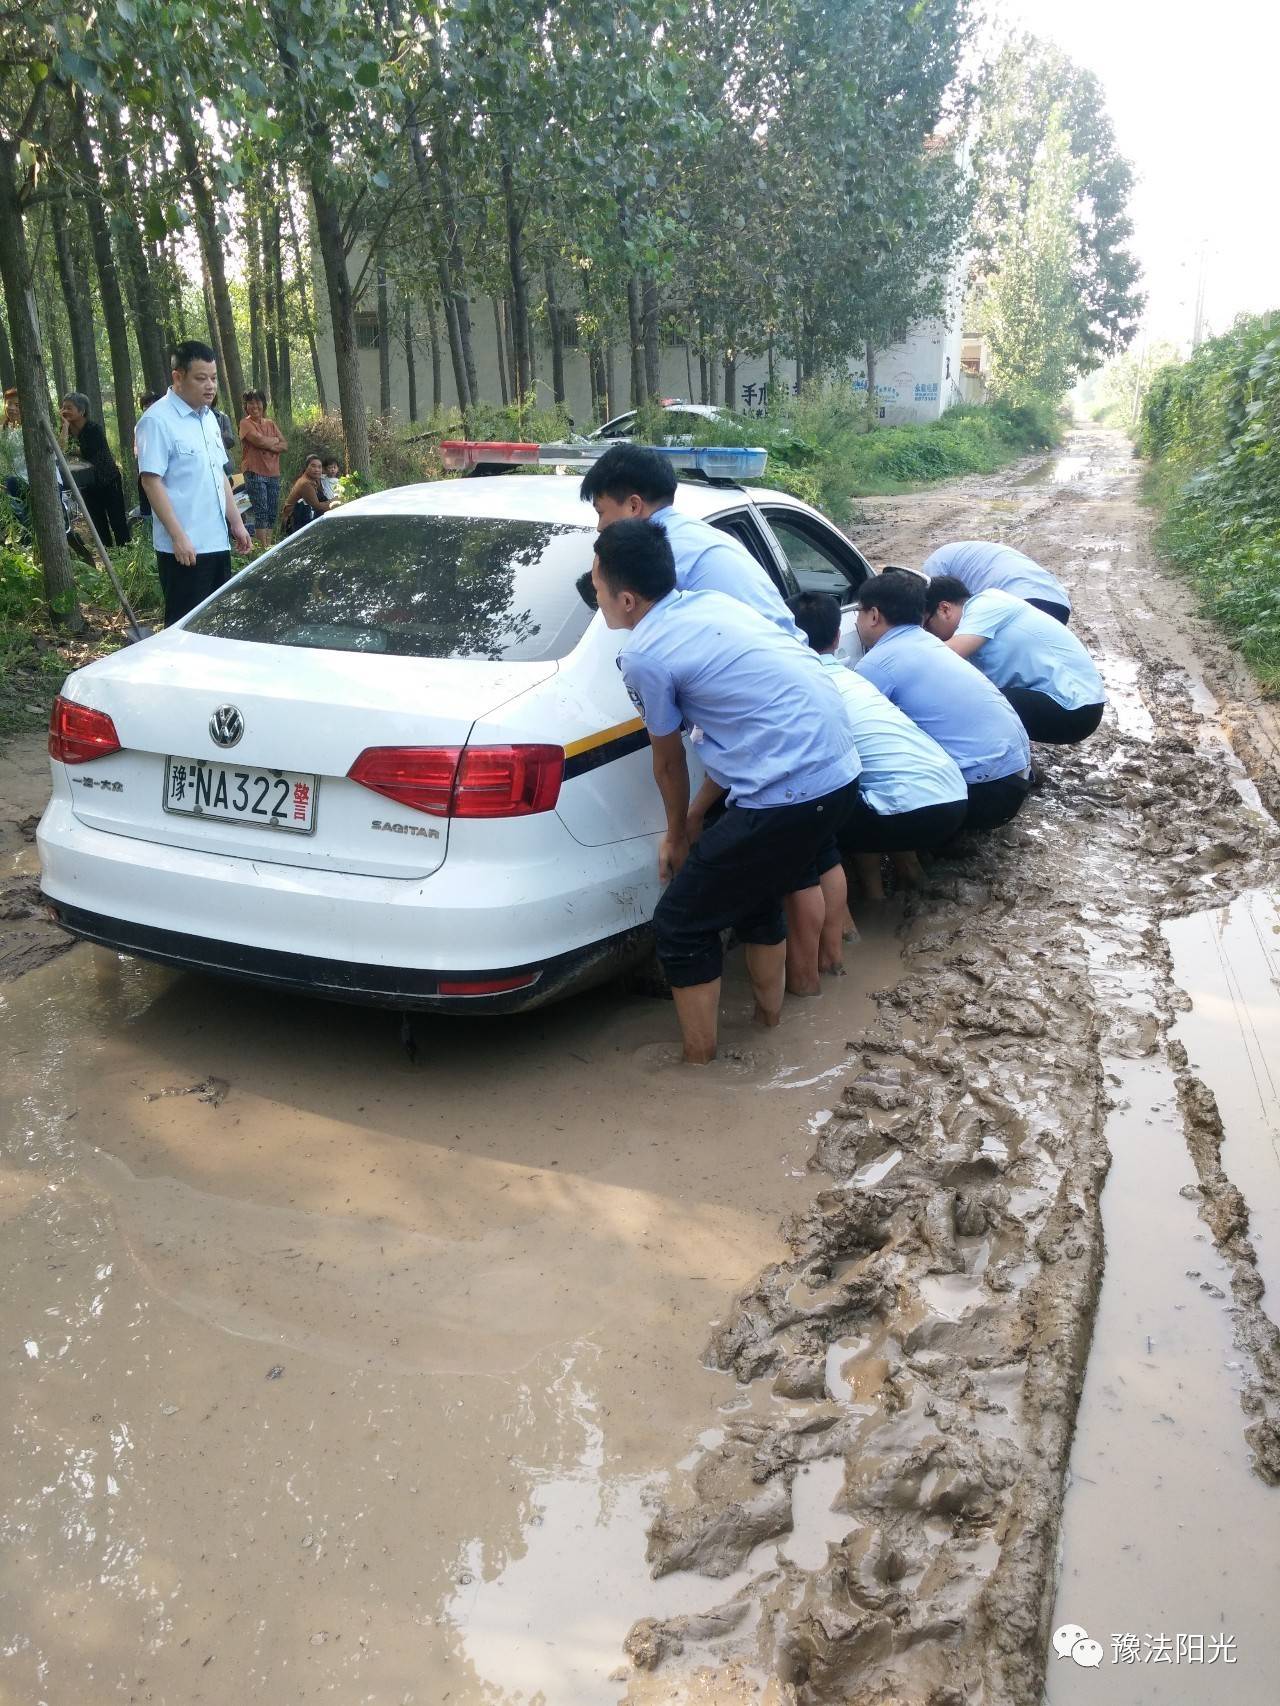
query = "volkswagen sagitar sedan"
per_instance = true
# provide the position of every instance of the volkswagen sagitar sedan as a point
(393, 760)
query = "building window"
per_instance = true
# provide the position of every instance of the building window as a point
(366, 328)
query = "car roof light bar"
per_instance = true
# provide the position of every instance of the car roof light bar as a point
(712, 461)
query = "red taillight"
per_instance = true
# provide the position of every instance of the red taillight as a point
(77, 733)
(487, 985)
(471, 781)
(508, 781)
(417, 776)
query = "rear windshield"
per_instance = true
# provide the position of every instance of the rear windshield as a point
(420, 586)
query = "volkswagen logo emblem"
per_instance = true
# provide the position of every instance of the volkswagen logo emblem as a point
(226, 725)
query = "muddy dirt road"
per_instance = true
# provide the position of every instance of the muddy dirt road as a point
(538, 1369)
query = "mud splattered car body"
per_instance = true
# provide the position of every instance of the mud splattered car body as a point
(393, 760)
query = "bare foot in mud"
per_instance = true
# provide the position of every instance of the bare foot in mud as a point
(768, 1017)
(801, 986)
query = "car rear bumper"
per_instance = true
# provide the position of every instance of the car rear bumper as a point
(569, 913)
(367, 985)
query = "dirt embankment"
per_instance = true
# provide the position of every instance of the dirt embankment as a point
(27, 937)
(931, 1329)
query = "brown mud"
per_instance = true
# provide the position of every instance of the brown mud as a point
(336, 1375)
(27, 936)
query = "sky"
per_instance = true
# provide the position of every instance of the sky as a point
(1191, 92)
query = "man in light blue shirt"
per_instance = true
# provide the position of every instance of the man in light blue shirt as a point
(772, 738)
(981, 566)
(181, 465)
(912, 797)
(1040, 667)
(968, 717)
(631, 482)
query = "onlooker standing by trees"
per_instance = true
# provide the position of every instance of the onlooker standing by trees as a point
(261, 445)
(180, 460)
(306, 498)
(104, 498)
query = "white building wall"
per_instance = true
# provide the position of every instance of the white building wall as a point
(916, 380)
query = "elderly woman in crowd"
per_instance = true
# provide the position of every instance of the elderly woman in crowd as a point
(104, 498)
(262, 443)
(306, 499)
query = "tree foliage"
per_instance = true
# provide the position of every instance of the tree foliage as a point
(1048, 171)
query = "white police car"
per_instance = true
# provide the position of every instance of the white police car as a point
(393, 760)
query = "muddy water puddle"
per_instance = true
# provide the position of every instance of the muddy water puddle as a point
(1166, 1531)
(358, 1377)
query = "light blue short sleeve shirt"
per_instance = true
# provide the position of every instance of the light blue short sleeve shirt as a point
(967, 716)
(768, 722)
(981, 566)
(1025, 648)
(708, 560)
(903, 768)
(184, 447)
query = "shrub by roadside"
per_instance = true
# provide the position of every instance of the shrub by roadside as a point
(1212, 429)
(821, 449)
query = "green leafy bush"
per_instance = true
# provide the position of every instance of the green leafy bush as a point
(1212, 427)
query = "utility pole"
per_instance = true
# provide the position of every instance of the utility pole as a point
(1197, 328)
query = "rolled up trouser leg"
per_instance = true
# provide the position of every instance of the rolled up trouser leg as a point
(1046, 720)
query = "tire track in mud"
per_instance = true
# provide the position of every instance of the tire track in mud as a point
(930, 1330)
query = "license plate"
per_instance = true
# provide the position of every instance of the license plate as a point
(272, 799)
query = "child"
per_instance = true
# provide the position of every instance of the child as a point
(329, 480)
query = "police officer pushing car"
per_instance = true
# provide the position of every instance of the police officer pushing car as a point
(772, 736)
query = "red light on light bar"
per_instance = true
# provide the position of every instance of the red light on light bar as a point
(488, 985)
(78, 734)
(458, 453)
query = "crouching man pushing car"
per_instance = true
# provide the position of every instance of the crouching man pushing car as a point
(772, 736)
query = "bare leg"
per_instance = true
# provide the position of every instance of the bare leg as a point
(867, 865)
(767, 969)
(908, 868)
(698, 1010)
(804, 928)
(835, 898)
(263, 537)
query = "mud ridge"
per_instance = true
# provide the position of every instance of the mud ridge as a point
(931, 1324)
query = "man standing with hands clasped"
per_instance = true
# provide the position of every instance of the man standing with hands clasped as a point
(771, 734)
(181, 462)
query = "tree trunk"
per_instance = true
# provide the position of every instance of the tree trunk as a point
(513, 372)
(713, 382)
(873, 404)
(651, 306)
(461, 384)
(610, 390)
(521, 347)
(355, 425)
(410, 365)
(639, 390)
(7, 377)
(73, 277)
(593, 376)
(304, 301)
(211, 244)
(215, 332)
(110, 295)
(47, 527)
(143, 294)
(437, 377)
(557, 336)
(257, 337)
(277, 314)
(500, 339)
(53, 339)
(704, 393)
(730, 379)
(384, 344)
(457, 270)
